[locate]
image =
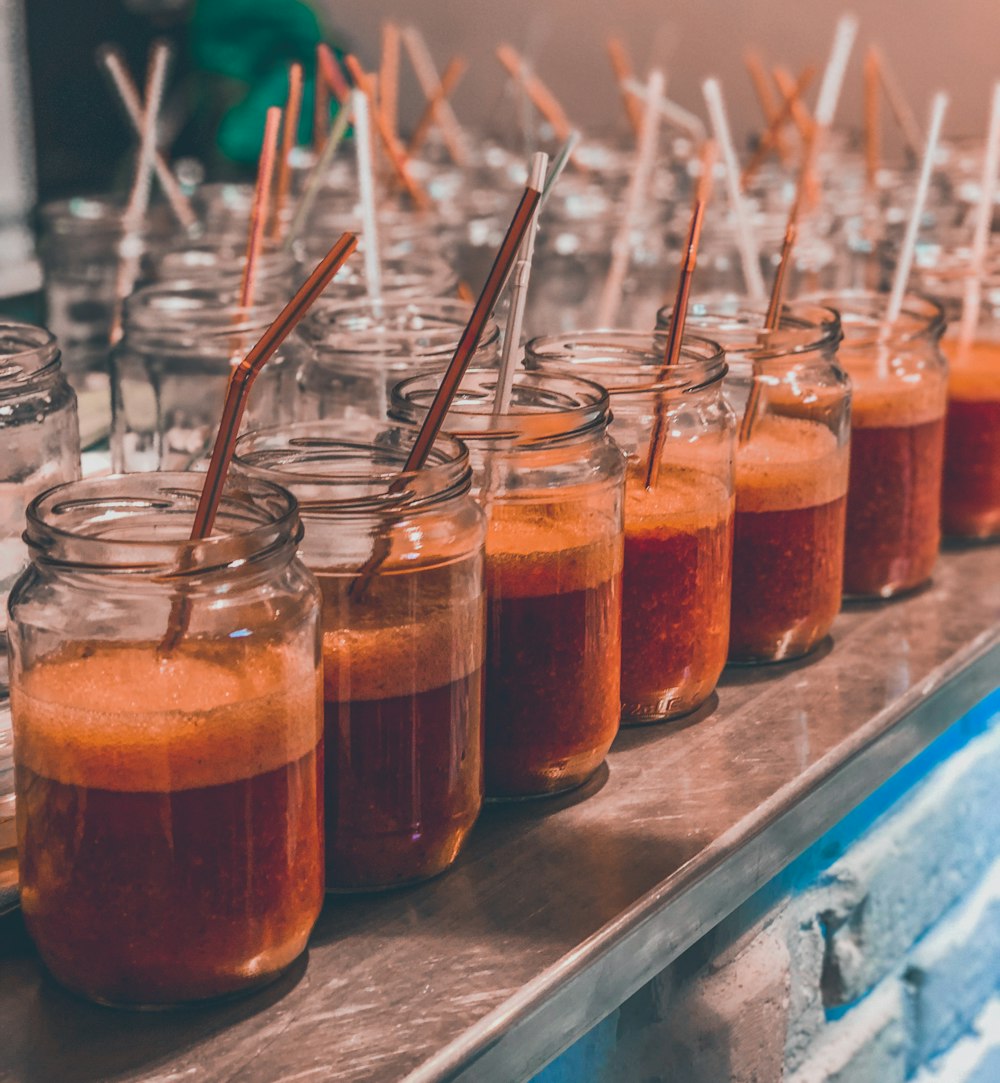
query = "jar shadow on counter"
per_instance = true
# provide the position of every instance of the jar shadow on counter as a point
(637, 736)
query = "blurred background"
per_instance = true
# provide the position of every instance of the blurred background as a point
(63, 133)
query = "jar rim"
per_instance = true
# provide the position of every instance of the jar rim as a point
(27, 352)
(320, 465)
(544, 407)
(861, 313)
(140, 524)
(167, 308)
(628, 355)
(803, 328)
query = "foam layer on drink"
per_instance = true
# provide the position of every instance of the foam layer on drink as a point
(789, 463)
(127, 719)
(537, 549)
(976, 375)
(897, 402)
(684, 500)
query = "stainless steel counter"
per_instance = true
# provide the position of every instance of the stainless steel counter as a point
(558, 911)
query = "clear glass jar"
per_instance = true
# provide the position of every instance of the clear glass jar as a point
(79, 250)
(970, 496)
(678, 533)
(169, 796)
(899, 381)
(551, 483)
(39, 443)
(218, 262)
(403, 649)
(791, 474)
(350, 356)
(172, 367)
(415, 275)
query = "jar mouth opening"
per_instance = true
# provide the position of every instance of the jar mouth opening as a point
(141, 524)
(802, 329)
(362, 473)
(628, 362)
(224, 255)
(862, 315)
(26, 352)
(543, 407)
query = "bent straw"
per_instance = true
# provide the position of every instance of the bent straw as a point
(388, 77)
(246, 372)
(423, 67)
(762, 88)
(836, 67)
(981, 236)
(394, 152)
(521, 276)
(329, 69)
(635, 198)
(749, 253)
(671, 111)
(622, 68)
(317, 176)
(898, 104)
(113, 63)
(872, 134)
(289, 137)
(678, 318)
(539, 94)
(261, 204)
(467, 346)
(432, 110)
(895, 306)
(366, 185)
(767, 140)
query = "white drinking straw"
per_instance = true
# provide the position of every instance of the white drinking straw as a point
(984, 222)
(670, 110)
(749, 252)
(519, 295)
(635, 199)
(366, 184)
(836, 67)
(895, 306)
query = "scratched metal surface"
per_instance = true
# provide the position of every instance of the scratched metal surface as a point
(558, 911)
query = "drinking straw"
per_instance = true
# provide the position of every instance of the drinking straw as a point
(768, 106)
(394, 152)
(388, 77)
(464, 351)
(939, 104)
(622, 68)
(749, 253)
(519, 296)
(246, 372)
(289, 137)
(261, 203)
(128, 94)
(538, 93)
(559, 163)
(768, 139)
(675, 333)
(317, 175)
(329, 70)
(898, 104)
(871, 83)
(321, 108)
(804, 123)
(981, 236)
(635, 198)
(671, 111)
(432, 110)
(366, 184)
(836, 66)
(423, 67)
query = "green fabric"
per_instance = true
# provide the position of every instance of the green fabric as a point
(250, 43)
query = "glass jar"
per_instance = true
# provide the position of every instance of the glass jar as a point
(403, 646)
(218, 262)
(791, 474)
(352, 355)
(551, 483)
(39, 443)
(899, 384)
(169, 804)
(172, 368)
(970, 496)
(415, 275)
(678, 533)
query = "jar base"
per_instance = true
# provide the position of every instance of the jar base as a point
(887, 593)
(793, 655)
(634, 715)
(505, 799)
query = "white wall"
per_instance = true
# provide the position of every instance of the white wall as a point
(932, 43)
